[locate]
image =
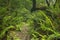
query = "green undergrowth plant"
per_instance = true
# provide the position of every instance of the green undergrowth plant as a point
(17, 22)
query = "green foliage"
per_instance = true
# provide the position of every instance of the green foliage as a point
(15, 15)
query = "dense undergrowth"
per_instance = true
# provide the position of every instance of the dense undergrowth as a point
(16, 19)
